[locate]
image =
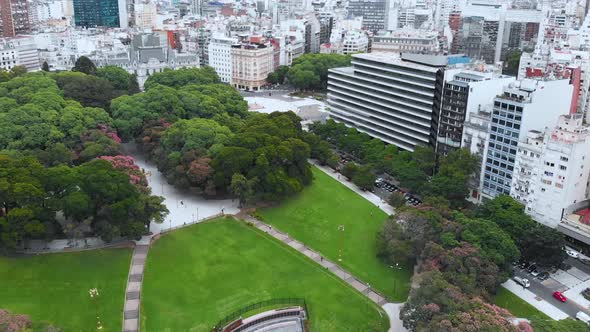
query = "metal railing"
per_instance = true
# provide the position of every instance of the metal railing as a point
(259, 305)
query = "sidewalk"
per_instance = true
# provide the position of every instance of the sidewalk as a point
(316, 257)
(366, 194)
(542, 305)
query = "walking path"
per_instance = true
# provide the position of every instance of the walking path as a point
(316, 257)
(133, 291)
(369, 196)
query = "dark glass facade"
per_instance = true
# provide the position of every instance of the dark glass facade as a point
(96, 13)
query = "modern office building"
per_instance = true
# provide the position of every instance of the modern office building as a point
(100, 13)
(524, 105)
(15, 17)
(466, 91)
(395, 99)
(373, 12)
(552, 169)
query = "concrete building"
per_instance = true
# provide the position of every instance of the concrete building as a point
(552, 169)
(523, 106)
(14, 15)
(220, 51)
(373, 12)
(19, 51)
(442, 11)
(146, 15)
(100, 13)
(395, 99)
(251, 64)
(465, 91)
(406, 40)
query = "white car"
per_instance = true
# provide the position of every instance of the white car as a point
(572, 253)
(522, 281)
(583, 317)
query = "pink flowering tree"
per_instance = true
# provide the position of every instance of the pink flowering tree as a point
(10, 322)
(127, 165)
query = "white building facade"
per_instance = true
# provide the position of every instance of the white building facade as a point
(220, 52)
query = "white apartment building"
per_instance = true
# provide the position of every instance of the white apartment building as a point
(406, 40)
(388, 97)
(220, 52)
(552, 169)
(19, 51)
(524, 105)
(251, 64)
(441, 13)
(146, 15)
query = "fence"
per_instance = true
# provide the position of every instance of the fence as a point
(166, 230)
(259, 305)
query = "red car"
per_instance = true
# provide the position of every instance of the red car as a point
(559, 296)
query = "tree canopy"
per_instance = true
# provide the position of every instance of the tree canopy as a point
(182, 77)
(310, 71)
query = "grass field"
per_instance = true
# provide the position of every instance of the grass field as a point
(197, 275)
(517, 306)
(54, 287)
(313, 217)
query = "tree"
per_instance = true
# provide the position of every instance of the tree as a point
(424, 157)
(133, 85)
(396, 200)
(90, 91)
(512, 63)
(543, 245)
(85, 65)
(183, 77)
(118, 77)
(45, 66)
(242, 188)
(310, 71)
(393, 246)
(364, 178)
(349, 170)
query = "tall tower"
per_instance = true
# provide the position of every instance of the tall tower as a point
(15, 17)
(102, 13)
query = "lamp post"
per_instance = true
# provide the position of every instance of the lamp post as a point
(341, 229)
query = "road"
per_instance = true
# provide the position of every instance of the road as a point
(546, 293)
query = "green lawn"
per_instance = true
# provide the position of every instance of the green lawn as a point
(313, 218)
(54, 287)
(517, 306)
(197, 275)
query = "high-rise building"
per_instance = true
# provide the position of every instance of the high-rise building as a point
(442, 11)
(19, 51)
(465, 91)
(373, 12)
(15, 17)
(100, 13)
(551, 169)
(391, 98)
(523, 106)
(220, 56)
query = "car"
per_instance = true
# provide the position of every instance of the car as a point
(543, 276)
(535, 272)
(572, 253)
(531, 268)
(583, 317)
(524, 265)
(524, 282)
(559, 296)
(584, 261)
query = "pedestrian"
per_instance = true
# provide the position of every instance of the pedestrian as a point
(371, 213)
(321, 258)
(181, 202)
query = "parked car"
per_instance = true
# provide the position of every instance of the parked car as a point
(524, 265)
(535, 272)
(584, 317)
(543, 276)
(572, 253)
(584, 261)
(531, 268)
(524, 282)
(559, 296)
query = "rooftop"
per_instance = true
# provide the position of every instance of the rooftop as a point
(394, 59)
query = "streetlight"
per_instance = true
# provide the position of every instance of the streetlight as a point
(197, 214)
(341, 229)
